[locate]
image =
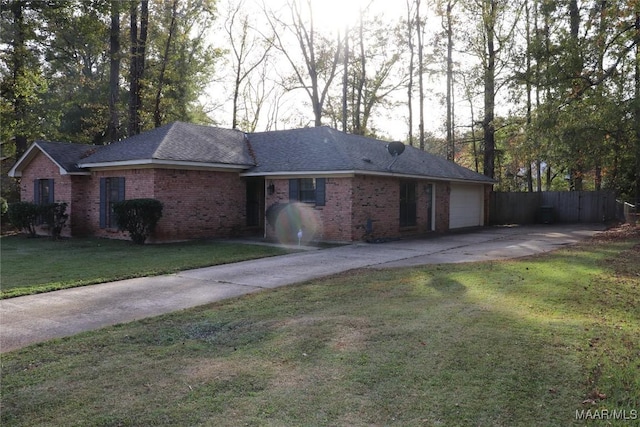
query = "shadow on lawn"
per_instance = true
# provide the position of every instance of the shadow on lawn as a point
(502, 343)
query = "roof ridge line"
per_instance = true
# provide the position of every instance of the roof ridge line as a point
(170, 128)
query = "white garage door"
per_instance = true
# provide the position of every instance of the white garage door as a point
(466, 208)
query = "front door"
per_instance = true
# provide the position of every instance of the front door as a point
(255, 197)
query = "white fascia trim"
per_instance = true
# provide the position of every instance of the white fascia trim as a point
(310, 174)
(15, 172)
(424, 177)
(352, 173)
(167, 164)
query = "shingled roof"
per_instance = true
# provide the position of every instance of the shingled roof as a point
(318, 150)
(324, 149)
(177, 142)
(64, 154)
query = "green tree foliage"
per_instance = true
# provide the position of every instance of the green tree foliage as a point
(585, 54)
(55, 68)
(179, 62)
(23, 112)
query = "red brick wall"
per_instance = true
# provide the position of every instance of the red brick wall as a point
(351, 201)
(197, 204)
(138, 183)
(41, 167)
(200, 204)
(331, 222)
(378, 199)
(337, 214)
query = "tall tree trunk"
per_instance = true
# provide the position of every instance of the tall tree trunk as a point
(537, 92)
(134, 121)
(450, 132)
(240, 55)
(19, 66)
(489, 90)
(473, 137)
(529, 96)
(411, 65)
(420, 39)
(636, 108)
(345, 79)
(357, 113)
(575, 173)
(138, 51)
(113, 130)
(157, 113)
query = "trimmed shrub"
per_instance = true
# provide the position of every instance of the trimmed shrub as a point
(4, 207)
(24, 216)
(139, 217)
(55, 216)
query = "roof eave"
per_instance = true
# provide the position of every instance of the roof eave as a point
(151, 163)
(350, 173)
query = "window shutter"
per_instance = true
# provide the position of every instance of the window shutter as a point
(36, 191)
(120, 189)
(320, 191)
(293, 190)
(52, 197)
(103, 203)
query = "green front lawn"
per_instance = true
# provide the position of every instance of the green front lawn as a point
(40, 265)
(517, 343)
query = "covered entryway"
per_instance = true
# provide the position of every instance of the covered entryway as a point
(466, 206)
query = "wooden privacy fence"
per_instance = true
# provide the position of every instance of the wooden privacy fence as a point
(552, 206)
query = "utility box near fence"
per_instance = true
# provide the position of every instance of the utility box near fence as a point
(546, 214)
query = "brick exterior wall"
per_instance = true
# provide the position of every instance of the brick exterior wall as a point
(41, 167)
(197, 204)
(352, 202)
(200, 204)
(331, 222)
(209, 204)
(378, 199)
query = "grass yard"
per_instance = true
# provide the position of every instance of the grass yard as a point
(518, 343)
(40, 265)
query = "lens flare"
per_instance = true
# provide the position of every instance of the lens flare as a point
(297, 223)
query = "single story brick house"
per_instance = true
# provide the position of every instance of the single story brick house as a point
(322, 183)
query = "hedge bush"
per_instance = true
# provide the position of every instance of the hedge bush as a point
(55, 216)
(24, 216)
(139, 217)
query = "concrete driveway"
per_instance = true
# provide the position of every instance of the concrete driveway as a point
(36, 318)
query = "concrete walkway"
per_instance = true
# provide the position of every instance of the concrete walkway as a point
(36, 318)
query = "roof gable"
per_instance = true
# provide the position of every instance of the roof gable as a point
(65, 155)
